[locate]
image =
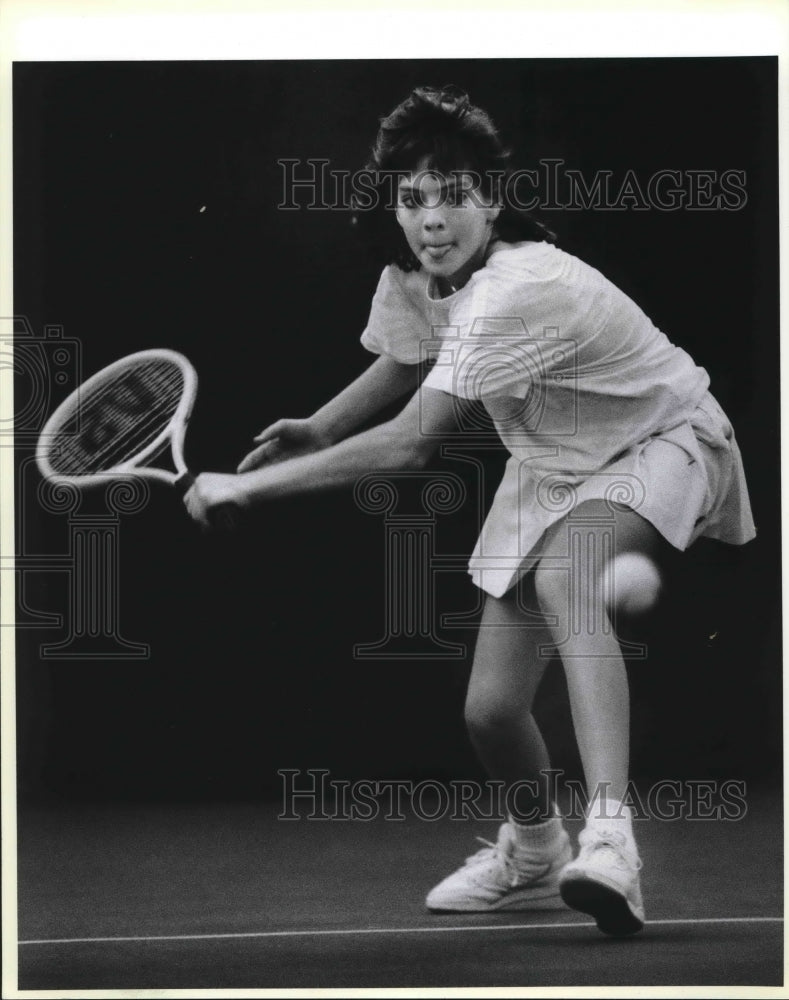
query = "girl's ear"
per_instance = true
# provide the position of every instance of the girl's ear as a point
(493, 213)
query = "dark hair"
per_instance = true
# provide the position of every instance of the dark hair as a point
(441, 129)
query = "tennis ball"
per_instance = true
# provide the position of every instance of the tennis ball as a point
(631, 583)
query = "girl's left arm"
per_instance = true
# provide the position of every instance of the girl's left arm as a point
(405, 442)
(383, 382)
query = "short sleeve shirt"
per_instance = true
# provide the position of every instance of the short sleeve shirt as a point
(571, 371)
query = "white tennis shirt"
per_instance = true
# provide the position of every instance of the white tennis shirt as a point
(588, 396)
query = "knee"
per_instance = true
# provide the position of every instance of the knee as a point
(552, 587)
(631, 584)
(491, 717)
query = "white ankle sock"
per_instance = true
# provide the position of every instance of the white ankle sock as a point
(537, 836)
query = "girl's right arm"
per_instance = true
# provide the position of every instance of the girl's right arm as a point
(385, 381)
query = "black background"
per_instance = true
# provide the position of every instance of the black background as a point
(251, 666)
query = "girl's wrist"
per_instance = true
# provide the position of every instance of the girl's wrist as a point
(248, 488)
(323, 431)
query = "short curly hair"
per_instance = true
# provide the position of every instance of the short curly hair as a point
(440, 129)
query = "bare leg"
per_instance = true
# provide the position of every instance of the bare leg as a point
(522, 870)
(507, 670)
(590, 652)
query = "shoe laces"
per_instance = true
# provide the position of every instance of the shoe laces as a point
(502, 860)
(614, 843)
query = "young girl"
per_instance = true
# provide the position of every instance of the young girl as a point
(616, 446)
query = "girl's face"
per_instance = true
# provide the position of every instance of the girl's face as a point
(447, 223)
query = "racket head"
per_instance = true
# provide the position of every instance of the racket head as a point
(119, 419)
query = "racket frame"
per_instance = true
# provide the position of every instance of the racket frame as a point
(174, 431)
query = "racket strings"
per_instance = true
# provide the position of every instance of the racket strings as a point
(118, 419)
(122, 436)
(116, 412)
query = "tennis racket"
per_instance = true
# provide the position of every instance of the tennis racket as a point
(120, 420)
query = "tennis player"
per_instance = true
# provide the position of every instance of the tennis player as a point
(584, 392)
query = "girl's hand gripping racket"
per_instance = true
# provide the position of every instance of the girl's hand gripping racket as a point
(122, 418)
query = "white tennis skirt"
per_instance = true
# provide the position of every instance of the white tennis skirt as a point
(688, 481)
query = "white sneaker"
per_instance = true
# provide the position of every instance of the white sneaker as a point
(604, 882)
(505, 876)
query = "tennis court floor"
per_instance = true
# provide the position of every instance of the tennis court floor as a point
(226, 895)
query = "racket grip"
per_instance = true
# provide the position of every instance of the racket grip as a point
(184, 483)
(225, 517)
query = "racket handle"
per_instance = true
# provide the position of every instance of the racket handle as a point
(184, 483)
(225, 517)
